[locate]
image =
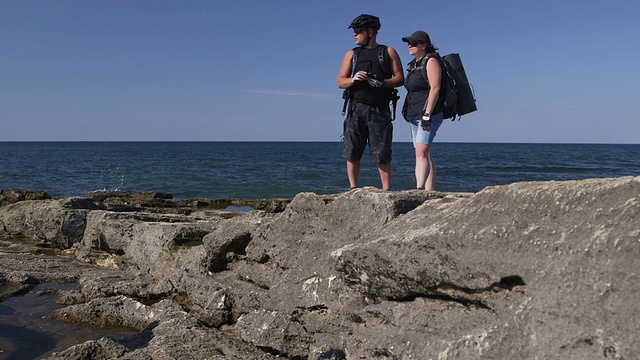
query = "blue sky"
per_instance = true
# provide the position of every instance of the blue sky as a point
(543, 71)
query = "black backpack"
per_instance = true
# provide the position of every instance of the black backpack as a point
(459, 98)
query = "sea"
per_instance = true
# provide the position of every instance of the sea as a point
(258, 170)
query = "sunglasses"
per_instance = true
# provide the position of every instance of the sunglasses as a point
(414, 44)
(359, 30)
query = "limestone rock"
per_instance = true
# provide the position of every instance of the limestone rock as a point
(528, 270)
(13, 196)
(101, 349)
(116, 311)
(47, 222)
(539, 260)
(280, 333)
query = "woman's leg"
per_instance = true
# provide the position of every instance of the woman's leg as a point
(431, 170)
(422, 165)
(436, 121)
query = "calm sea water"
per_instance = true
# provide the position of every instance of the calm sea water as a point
(282, 169)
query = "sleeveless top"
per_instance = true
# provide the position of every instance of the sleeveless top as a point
(367, 60)
(418, 88)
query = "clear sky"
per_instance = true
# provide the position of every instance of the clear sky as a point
(543, 71)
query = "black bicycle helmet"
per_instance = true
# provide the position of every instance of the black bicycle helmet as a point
(365, 21)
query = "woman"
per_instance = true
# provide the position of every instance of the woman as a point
(423, 104)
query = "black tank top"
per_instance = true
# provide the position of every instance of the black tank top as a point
(368, 60)
(418, 88)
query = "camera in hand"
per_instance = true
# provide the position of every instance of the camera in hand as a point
(372, 76)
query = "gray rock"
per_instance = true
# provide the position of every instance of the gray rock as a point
(115, 311)
(13, 196)
(547, 260)
(278, 333)
(101, 349)
(529, 270)
(47, 222)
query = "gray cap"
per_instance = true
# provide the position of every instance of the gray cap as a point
(418, 36)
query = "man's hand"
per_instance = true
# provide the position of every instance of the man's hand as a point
(373, 82)
(360, 76)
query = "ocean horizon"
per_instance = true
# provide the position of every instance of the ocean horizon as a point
(273, 169)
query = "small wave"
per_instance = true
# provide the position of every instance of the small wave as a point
(105, 189)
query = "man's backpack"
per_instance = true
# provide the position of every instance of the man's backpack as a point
(382, 55)
(456, 90)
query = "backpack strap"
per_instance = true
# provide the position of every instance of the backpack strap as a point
(381, 50)
(346, 94)
(354, 59)
(423, 63)
(425, 60)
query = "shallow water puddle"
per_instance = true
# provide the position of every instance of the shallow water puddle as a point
(238, 208)
(26, 332)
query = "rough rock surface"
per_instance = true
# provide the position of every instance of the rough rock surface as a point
(532, 270)
(13, 196)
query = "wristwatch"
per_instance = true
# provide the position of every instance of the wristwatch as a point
(426, 117)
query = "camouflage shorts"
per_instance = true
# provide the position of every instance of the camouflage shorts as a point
(367, 123)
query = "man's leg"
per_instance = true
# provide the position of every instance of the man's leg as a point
(353, 170)
(385, 175)
(355, 140)
(380, 138)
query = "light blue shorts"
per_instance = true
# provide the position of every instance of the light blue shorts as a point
(420, 136)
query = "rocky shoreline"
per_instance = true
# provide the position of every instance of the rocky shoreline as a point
(528, 270)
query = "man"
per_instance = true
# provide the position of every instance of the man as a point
(369, 81)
